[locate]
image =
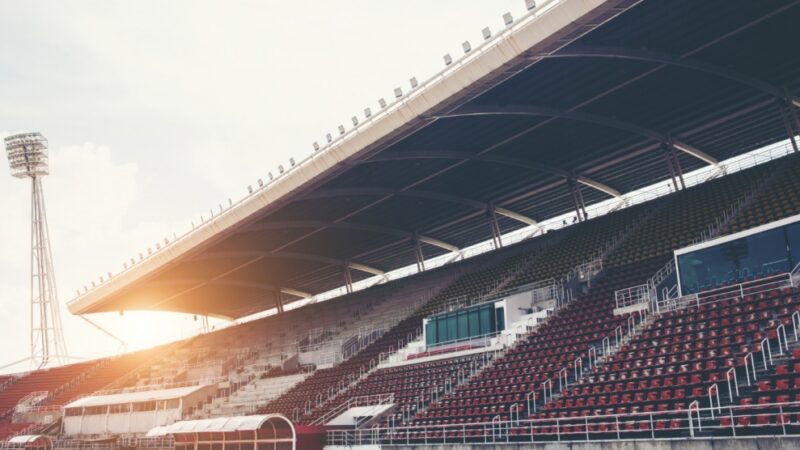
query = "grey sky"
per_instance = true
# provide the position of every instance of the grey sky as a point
(157, 111)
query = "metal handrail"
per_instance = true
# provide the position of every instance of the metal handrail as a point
(753, 287)
(575, 429)
(695, 405)
(750, 365)
(766, 351)
(731, 373)
(715, 388)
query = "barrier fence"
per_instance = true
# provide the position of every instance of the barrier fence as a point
(773, 419)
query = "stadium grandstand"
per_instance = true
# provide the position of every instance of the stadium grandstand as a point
(586, 231)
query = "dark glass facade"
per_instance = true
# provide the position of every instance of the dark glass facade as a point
(765, 253)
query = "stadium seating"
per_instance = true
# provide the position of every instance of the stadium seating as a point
(680, 218)
(411, 384)
(51, 381)
(780, 198)
(102, 376)
(677, 359)
(553, 346)
(669, 362)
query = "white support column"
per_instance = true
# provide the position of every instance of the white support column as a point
(787, 123)
(677, 163)
(348, 279)
(495, 227)
(420, 256)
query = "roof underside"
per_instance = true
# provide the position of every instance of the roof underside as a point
(704, 75)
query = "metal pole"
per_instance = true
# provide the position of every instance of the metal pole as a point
(788, 125)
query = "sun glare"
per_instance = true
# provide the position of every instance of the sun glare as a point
(144, 329)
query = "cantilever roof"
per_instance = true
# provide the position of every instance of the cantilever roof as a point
(133, 397)
(220, 424)
(584, 92)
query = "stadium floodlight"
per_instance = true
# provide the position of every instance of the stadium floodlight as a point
(398, 92)
(487, 33)
(367, 113)
(414, 83)
(530, 4)
(316, 146)
(28, 158)
(382, 102)
(354, 119)
(447, 59)
(328, 138)
(466, 46)
(508, 19)
(341, 130)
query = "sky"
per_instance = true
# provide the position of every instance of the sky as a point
(158, 111)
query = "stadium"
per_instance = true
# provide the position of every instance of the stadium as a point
(584, 232)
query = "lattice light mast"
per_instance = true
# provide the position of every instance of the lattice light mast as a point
(28, 158)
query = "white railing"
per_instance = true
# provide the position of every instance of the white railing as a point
(773, 419)
(741, 290)
(363, 400)
(633, 295)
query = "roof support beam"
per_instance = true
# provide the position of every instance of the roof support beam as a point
(289, 255)
(430, 195)
(585, 51)
(503, 160)
(599, 186)
(438, 243)
(295, 292)
(230, 283)
(280, 225)
(512, 215)
(689, 150)
(594, 119)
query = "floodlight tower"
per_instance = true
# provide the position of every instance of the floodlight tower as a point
(28, 158)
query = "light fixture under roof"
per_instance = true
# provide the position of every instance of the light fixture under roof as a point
(316, 146)
(530, 4)
(414, 83)
(367, 113)
(341, 129)
(448, 59)
(382, 102)
(487, 33)
(466, 46)
(354, 119)
(328, 138)
(508, 19)
(398, 92)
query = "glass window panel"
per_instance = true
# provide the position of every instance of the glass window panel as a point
(463, 325)
(500, 318)
(486, 316)
(793, 234)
